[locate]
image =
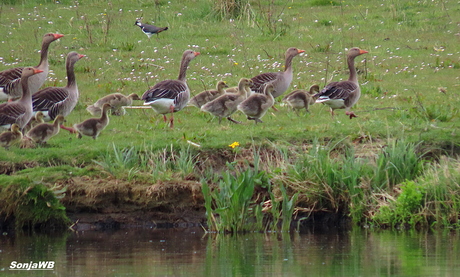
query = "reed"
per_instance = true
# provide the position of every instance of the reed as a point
(442, 193)
(397, 162)
(234, 210)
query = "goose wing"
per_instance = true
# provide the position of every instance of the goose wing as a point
(168, 89)
(9, 112)
(337, 90)
(50, 99)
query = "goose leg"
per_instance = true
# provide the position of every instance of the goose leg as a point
(171, 119)
(256, 120)
(233, 120)
(70, 129)
(332, 113)
(351, 114)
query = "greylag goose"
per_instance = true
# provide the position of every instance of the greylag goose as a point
(116, 100)
(92, 127)
(344, 94)
(280, 80)
(11, 137)
(150, 30)
(225, 105)
(301, 99)
(256, 105)
(54, 101)
(171, 96)
(34, 121)
(10, 88)
(249, 92)
(19, 112)
(44, 131)
(208, 95)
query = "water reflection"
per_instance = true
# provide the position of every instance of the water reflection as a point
(191, 252)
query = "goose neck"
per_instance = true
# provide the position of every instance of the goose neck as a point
(183, 70)
(351, 67)
(71, 81)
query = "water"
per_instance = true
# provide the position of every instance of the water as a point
(191, 252)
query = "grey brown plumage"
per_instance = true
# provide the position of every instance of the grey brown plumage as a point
(19, 112)
(116, 100)
(256, 105)
(54, 101)
(44, 131)
(344, 94)
(208, 95)
(12, 137)
(92, 127)
(301, 99)
(225, 105)
(10, 88)
(171, 96)
(280, 80)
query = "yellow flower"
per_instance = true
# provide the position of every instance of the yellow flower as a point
(235, 63)
(235, 144)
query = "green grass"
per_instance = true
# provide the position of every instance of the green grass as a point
(413, 52)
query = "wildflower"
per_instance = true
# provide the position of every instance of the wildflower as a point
(235, 144)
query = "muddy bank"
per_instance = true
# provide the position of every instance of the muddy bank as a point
(176, 200)
(110, 203)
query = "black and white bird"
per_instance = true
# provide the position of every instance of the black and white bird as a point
(150, 30)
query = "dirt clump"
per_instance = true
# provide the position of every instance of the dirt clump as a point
(112, 203)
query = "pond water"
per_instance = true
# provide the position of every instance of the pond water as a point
(192, 252)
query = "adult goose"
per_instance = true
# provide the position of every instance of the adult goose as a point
(256, 105)
(344, 94)
(19, 112)
(116, 100)
(9, 138)
(92, 127)
(301, 99)
(280, 80)
(150, 30)
(208, 95)
(225, 105)
(171, 96)
(44, 131)
(54, 101)
(10, 88)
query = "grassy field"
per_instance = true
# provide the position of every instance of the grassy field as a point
(410, 82)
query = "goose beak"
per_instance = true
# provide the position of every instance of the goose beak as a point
(81, 56)
(300, 51)
(36, 71)
(57, 36)
(362, 52)
(196, 53)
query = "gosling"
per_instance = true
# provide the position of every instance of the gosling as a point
(300, 99)
(34, 121)
(116, 100)
(10, 138)
(92, 127)
(225, 105)
(256, 105)
(44, 131)
(208, 95)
